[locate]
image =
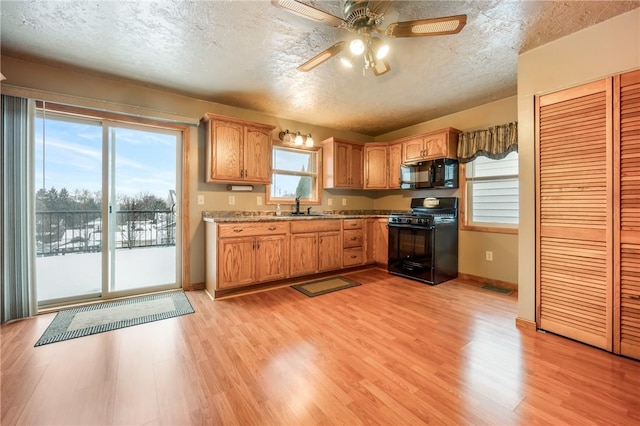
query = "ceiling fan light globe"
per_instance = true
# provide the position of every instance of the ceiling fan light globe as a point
(382, 51)
(356, 46)
(346, 62)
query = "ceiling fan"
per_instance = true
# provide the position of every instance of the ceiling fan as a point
(364, 19)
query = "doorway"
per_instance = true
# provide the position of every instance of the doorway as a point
(107, 208)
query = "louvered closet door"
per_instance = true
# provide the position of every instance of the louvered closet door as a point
(574, 253)
(629, 279)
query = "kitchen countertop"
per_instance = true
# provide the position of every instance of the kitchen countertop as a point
(269, 216)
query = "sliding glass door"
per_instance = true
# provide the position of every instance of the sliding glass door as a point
(106, 208)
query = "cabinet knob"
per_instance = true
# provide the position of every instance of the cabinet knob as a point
(272, 228)
(353, 238)
(242, 173)
(238, 229)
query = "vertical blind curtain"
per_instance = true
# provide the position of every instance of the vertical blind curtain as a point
(495, 142)
(17, 254)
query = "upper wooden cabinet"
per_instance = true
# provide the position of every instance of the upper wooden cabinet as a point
(237, 150)
(376, 166)
(429, 146)
(395, 161)
(382, 165)
(342, 163)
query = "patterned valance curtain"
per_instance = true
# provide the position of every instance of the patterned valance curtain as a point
(495, 142)
(17, 245)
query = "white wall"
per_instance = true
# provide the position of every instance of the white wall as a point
(608, 48)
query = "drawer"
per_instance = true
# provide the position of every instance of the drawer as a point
(353, 223)
(353, 238)
(226, 230)
(312, 225)
(352, 257)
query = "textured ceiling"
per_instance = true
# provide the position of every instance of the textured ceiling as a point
(245, 53)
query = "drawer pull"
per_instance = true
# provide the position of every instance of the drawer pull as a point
(634, 297)
(353, 256)
(238, 229)
(353, 238)
(272, 228)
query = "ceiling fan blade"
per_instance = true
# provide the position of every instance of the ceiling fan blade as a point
(309, 12)
(381, 67)
(379, 7)
(427, 27)
(322, 57)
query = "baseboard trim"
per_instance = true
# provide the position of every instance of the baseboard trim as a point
(195, 286)
(482, 280)
(526, 324)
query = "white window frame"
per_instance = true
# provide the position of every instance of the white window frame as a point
(317, 175)
(466, 208)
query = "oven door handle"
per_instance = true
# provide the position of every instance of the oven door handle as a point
(410, 226)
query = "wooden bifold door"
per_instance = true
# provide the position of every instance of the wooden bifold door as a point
(588, 213)
(627, 202)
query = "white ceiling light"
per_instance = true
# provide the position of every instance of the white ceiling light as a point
(347, 62)
(356, 46)
(309, 141)
(379, 48)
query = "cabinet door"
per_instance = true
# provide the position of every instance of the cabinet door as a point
(375, 166)
(236, 262)
(272, 257)
(356, 166)
(574, 253)
(330, 253)
(225, 152)
(413, 150)
(341, 152)
(381, 241)
(628, 324)
(305, 254)
(436, 146)
(395, 160)
(257, 155)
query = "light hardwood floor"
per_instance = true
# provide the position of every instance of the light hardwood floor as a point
(391, 351)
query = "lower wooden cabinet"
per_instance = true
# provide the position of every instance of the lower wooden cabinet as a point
(249, 260)
(353, 253)
(329, 250)
(246, 253)
(305, 260)
(381, 241)
(316, 246)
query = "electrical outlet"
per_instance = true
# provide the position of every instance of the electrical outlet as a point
(259, 200)
(344, 201)
(201, 200)
(232, 200)
(488, 255)
(330, 202)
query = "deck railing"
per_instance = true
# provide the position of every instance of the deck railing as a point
(64, 232)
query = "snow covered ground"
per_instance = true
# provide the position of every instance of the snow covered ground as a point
(76, 274)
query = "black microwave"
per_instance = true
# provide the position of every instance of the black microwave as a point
(440, 173)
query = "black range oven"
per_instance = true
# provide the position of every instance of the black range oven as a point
(423, 245)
